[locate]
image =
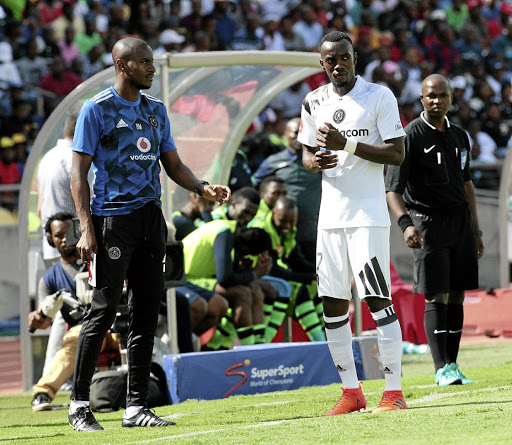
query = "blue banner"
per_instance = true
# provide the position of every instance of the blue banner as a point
(253, 369)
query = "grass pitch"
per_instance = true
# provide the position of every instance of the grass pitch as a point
(479, 413)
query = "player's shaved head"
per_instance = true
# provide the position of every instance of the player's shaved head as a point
(126, 48)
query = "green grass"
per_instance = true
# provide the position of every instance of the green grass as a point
(480, 413)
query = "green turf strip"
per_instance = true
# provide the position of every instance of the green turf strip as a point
(479, 413)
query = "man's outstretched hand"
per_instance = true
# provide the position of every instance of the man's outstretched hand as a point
(218, 193)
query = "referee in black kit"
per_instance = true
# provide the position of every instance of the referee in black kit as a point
(432, 196)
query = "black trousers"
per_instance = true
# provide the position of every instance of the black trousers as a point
(129, 247)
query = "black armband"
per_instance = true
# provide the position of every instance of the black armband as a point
(405, 221)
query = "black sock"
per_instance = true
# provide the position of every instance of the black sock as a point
(455, 320)
(435, 321)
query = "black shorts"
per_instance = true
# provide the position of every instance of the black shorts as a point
(449, 258)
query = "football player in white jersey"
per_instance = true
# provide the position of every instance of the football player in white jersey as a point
(349, 129)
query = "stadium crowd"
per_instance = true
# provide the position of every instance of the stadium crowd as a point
(49, 47)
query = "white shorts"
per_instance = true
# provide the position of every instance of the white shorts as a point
(361, 253)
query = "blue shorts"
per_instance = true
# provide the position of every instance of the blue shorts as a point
(192, 292)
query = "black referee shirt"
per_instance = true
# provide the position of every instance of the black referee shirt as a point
(436, 166)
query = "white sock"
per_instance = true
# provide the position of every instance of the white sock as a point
(339, 340)
(390, 347)
(131, 411)
(75, 404)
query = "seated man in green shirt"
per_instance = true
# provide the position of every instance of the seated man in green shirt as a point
(290, 264)
(209, 263)
(195, 213)
(271, 189)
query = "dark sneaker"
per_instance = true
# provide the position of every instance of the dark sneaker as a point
(145, 417)
(41, 402)
(83, 420)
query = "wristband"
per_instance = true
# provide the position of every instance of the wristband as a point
(350, 146)
(199, 183)
(405, 221)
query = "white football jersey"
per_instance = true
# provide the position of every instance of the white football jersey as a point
(355, 196)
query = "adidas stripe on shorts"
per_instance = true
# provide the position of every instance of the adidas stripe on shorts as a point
(361, 253)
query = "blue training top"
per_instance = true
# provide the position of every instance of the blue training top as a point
(125, 140)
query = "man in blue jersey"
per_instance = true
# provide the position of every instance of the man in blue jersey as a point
(123, 134)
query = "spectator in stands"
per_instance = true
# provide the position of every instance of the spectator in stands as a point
(208, 25)
(382, 55)
(468, 46)
(10, 173)
(67, 45)
(293, 41)
(192, 22)
(495, 126)
(288, 102)
(13, 32)
(443, 53)
(506, 100)
(483, 94)
(224, 24)
(59, 81)
(90, 37)
(497, 25)
(67, 18)
(250, 37)
(272, 38)
(32, 67)
(305, 189)
(196, 212)
(60, 277)
(92, 61)
(20, 146)
(356, 11)
(310, 30)
(457, 14)
(340, 22)
(51, 49)
(9, 73)
(362, 45)
(289, 263)
(483, 147)
(170, 42)
(278, 8)
(478, 20)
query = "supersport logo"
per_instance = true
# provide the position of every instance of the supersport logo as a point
(231, 372)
